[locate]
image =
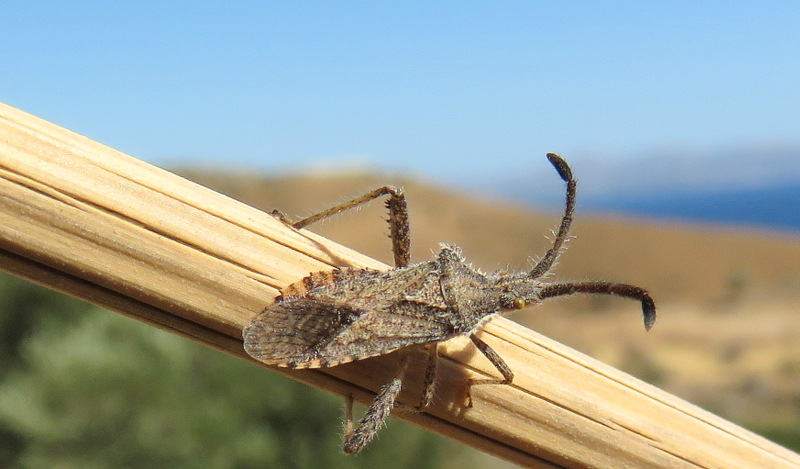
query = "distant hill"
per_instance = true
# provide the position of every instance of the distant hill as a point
(690, 262)
(728, 300)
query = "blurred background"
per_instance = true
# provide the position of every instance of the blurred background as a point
(680, 120)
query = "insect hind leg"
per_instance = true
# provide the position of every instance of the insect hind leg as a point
(375, 416)
(398, 219)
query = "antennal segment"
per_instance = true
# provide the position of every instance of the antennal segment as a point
(552, 254)
(605, 288)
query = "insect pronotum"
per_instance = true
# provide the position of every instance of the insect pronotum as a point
(347, 314)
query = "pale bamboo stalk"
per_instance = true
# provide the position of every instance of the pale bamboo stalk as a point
(94, 223)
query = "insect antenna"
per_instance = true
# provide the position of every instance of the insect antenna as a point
(550, 257)
(606, 288)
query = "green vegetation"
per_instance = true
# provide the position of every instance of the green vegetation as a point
(85, 387)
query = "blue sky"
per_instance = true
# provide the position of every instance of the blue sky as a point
(445, 89)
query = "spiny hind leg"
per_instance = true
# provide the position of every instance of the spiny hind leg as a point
(398, 219)
(428, 384)
(375, 416)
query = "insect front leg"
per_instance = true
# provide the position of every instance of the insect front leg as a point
(376, 415)
(398, 219)
(498, 363)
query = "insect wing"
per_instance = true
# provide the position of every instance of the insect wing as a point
(315, 332)
(291, 333)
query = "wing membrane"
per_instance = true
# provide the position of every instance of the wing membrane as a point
(313, 332)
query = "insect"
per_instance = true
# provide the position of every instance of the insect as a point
(347, 314)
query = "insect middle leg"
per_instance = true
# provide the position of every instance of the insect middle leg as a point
(429, 385)
(398, 219)
(498, 363)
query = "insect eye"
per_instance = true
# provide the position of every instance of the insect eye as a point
(519, 303)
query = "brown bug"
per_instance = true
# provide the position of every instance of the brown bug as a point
(348, 314)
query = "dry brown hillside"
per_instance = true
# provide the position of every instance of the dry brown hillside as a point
(729, 301)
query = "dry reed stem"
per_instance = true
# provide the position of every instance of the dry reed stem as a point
(97, 224)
